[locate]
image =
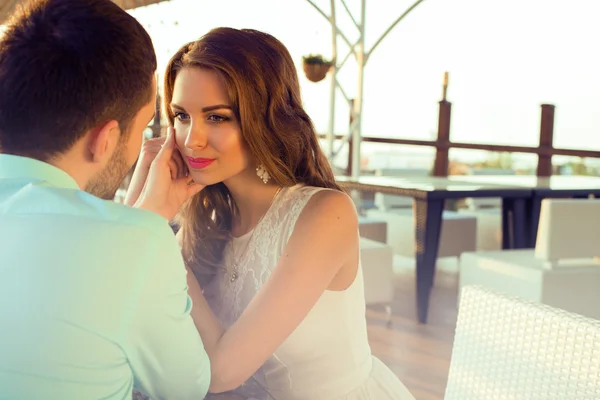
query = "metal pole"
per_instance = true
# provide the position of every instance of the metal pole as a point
(360, 58)
(342, 35)
(333, 83)
(358, 49)
(393, 25)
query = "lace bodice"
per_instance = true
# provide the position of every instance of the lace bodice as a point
(249, 259)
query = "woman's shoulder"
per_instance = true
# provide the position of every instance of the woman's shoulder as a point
(318, 204)
(327, 222)
(332, 201)
(307, 191)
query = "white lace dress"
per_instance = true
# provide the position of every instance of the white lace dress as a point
(328, 356)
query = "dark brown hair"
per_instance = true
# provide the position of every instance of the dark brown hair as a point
(67, 66)
(263, 88)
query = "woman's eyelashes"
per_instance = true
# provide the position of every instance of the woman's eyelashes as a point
(182, 117)
(213, 118)
(217, 118)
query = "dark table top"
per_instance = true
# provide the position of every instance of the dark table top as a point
(555, 185)
(434, 187)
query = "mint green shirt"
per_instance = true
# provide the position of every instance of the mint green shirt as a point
(93, 295)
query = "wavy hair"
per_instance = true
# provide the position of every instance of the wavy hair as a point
(262, 84)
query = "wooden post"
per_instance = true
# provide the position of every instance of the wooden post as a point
(544, 167)
(349, 169)
(440, 166)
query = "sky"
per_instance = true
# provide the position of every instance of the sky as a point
(504, 58)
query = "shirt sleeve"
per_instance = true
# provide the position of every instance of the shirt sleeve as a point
(164, 348)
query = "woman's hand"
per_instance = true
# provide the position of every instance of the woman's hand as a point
(165, 190)
(150, 150)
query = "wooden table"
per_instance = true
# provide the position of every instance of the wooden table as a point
(429, 195)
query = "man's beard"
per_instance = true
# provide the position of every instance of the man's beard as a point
(106, 183)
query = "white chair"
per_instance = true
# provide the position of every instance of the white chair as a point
(568, 229)
(508, 349)
(377, 259)
(374, 229)
(563, 271)
(489, 227)
(458, 233)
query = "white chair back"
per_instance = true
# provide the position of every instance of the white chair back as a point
(568, 229)
(508, 349)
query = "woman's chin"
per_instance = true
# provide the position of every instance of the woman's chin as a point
(204, 179)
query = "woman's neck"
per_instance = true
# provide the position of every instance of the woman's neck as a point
(253, 199)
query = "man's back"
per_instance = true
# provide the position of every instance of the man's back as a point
(92, 293)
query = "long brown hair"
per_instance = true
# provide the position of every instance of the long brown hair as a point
(263, 88)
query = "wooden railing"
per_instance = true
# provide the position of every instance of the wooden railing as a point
(443, 144)
(545, 150)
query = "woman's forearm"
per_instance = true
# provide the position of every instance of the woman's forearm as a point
(223, 371)
(208, 325)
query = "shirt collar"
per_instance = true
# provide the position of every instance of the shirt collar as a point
(12, 167)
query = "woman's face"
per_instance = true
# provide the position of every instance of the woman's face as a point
(208, 134)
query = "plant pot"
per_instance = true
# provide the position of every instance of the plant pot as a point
(316, 72)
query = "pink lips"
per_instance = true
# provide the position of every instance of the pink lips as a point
(200, 163)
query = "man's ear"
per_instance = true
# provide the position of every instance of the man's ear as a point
(103, 141)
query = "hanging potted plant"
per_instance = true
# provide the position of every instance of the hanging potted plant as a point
(316, 67)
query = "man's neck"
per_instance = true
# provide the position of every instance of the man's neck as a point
(73, 163)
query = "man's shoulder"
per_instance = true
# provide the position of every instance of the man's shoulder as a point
(124, 231)
(79, 213)
(135, 217)
(109, 216)
(128, 219)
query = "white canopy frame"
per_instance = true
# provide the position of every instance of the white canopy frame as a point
(362, 56)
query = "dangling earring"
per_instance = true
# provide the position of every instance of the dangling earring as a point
(262, 173)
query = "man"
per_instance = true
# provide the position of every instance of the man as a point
(93, 295)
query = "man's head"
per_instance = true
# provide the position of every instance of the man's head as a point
(77, 88)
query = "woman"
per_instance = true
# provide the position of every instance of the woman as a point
(272, 240)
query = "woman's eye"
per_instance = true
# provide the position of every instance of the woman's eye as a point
(217, 118)
(182, 116)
